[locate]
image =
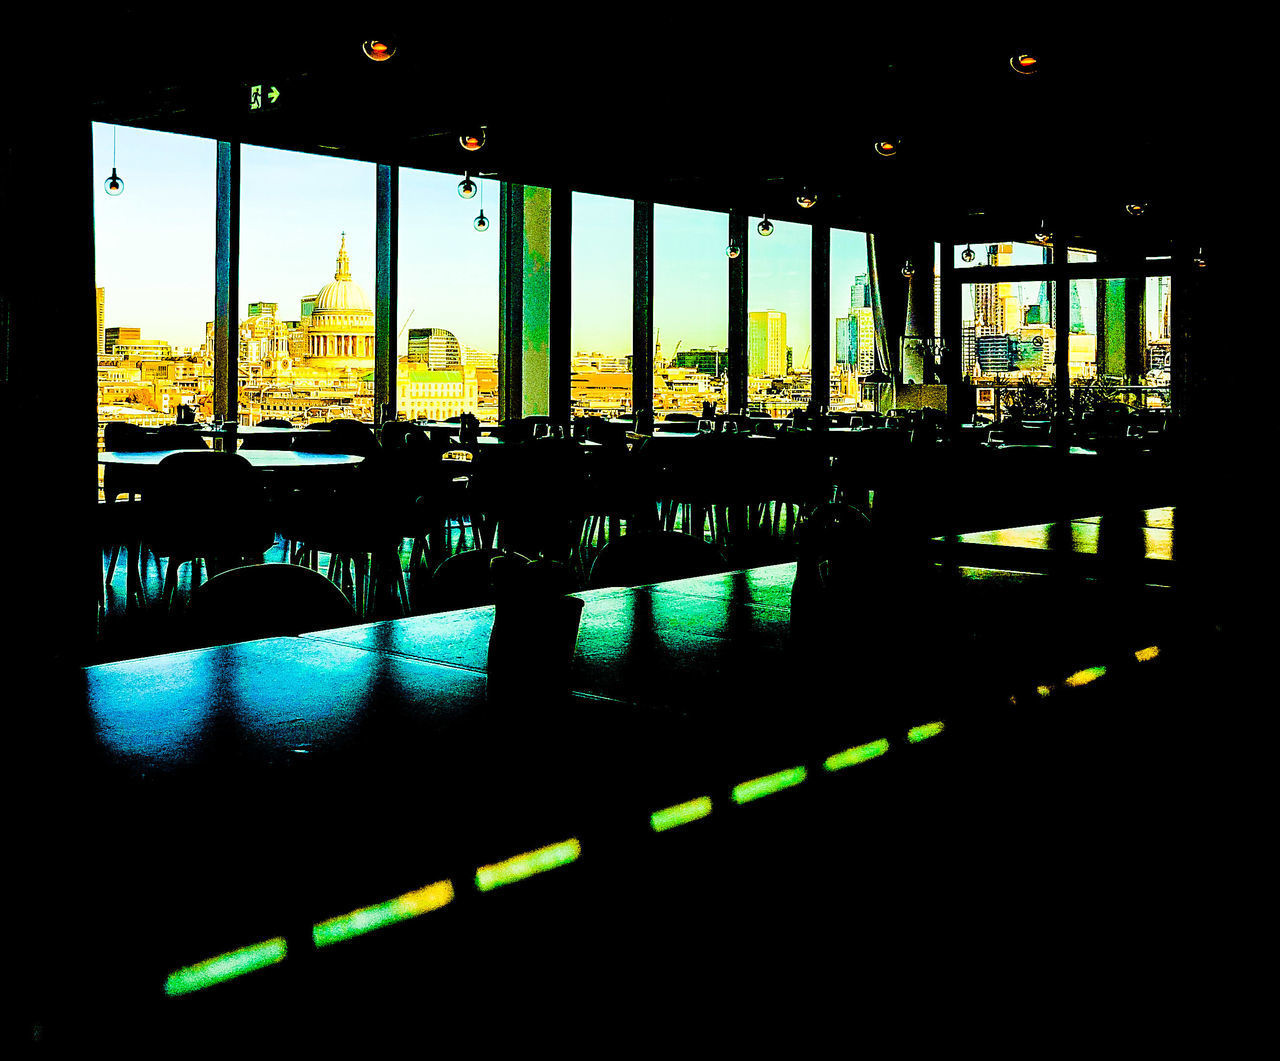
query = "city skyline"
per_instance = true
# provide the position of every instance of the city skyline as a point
(155, 249)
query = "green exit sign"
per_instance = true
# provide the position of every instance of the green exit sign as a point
(263, 97)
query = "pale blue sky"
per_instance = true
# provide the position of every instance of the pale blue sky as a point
(155, 249)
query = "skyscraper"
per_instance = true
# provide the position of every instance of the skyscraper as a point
(437, 348)
(860, 293)
(766, 342)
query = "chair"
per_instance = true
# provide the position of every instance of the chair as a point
(342, 436)
(266, 600)
(208, 506)
(276, 440)
(461, 581)
(360, 522)
(643, 557)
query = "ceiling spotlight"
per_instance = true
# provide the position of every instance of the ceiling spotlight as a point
(733, 250)
(466, 187)
(806, 199)
(1136, 209)
(1024, 64)
(472, 141)
(481, 223)
(765, 228)
(967, 254)
(379, 51)
(887, 147)
(908, 270)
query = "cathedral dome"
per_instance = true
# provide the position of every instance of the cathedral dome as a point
(342, 294)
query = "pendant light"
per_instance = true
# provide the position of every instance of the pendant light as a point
(113, 185)
(806, 199)
(908, 269)
(1024, 64)
(733, 250)
(481, 223)
(473, 141)
(967, 254)
(888, 146)
(379, 51)
(466, 186)
(765, 228)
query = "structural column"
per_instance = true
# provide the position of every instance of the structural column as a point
(226, 300)
(820, 316)
(511, 303)
(642, 316)
(561, 303)
(738, 313)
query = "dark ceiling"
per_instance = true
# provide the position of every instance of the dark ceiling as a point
(650, 106)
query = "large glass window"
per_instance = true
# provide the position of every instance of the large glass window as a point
(853, 332)
(447, 299)
(779, 272)
(602, 289)
(155, 274)
(307, 269)
(690, 310)
(1007, 346)
(974, 255)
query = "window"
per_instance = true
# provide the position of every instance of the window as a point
(155, 275)
(306, 244)
(447, 300)
(779, 272)
(853, 333)
(600, 384)
(690, 310)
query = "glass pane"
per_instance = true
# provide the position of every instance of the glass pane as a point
(307, 244)
(1007, 348)
(601, 328)
(690, 310)
(779, 272)
(1002, 254)
(155, 275)
(1124, 348)
(853, 333)
(535, 378)
(447, 300)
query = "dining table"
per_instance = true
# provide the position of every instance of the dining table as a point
(313, 816)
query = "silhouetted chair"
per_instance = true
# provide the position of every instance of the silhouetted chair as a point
(341, 436)
(360, 523)
(266, 600)
(643, 557)
(178, 436)
(206, 506)
(279, 439)
(460, 581)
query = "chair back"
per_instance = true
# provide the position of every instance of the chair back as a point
(267, 600)
(341, 436)
(207, 503)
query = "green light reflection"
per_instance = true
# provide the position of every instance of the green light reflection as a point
(526, 865)
(916, 734)
(858, 754)
(225, 967)
(769, 784)
(680, 814)
(368, 918)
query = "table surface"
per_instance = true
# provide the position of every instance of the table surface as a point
(265, 459)
(251, 790)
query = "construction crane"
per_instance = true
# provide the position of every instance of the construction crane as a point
(406, 322)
